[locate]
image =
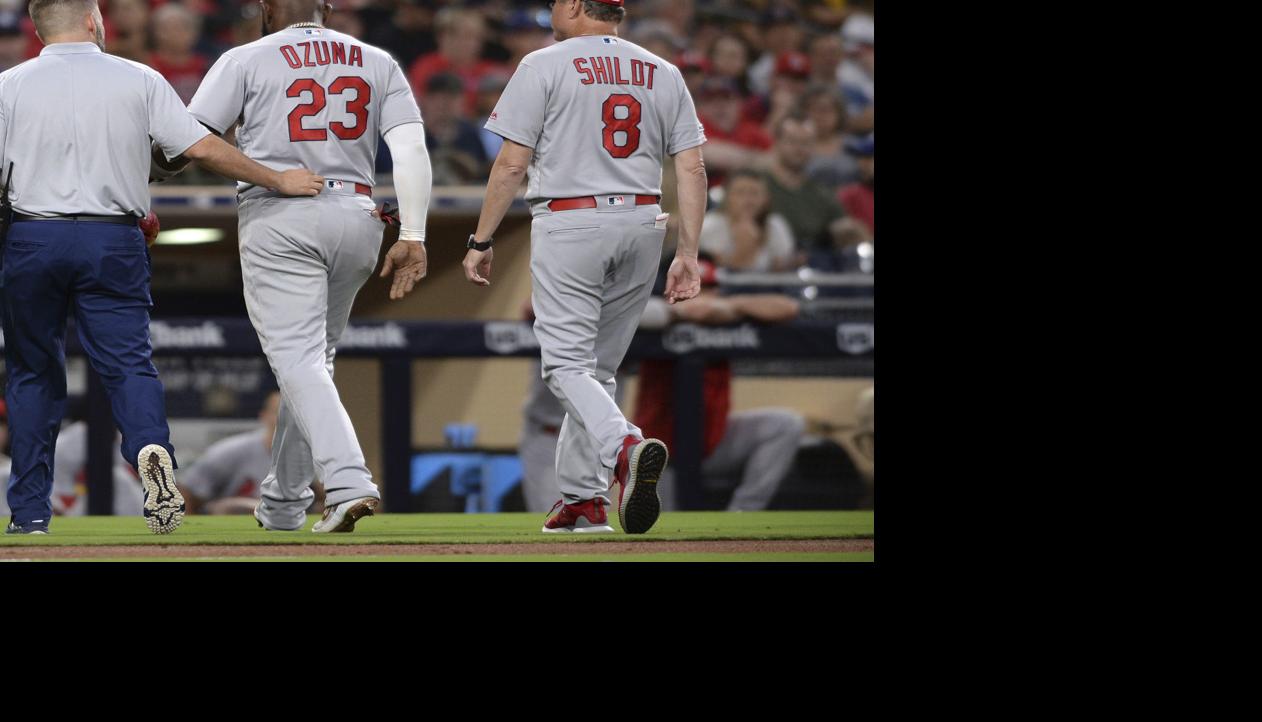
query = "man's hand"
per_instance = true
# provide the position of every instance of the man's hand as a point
(300, 182)
(477, 266)
(409, 263)
(683, 280)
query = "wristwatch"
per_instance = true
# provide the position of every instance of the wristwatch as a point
(480, 247)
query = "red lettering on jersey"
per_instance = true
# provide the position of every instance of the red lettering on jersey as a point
(637, 72)
(579, 65)
(357, 56)
(601, 75)
(306, 55)
(339, 53)
(652, 67)
(617, 68)
(291, 57)
(609, 68)
(321, 59)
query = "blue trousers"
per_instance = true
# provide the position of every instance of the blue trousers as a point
(101, 271)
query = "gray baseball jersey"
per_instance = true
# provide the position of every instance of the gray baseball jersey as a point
(308, 97)
(235, 466)
(110, 107)
(600, 113)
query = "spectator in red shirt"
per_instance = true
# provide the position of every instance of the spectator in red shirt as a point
(460, 36)
(859, 199)
(731, 141)
(12, 43)
(754, 448)
(176, 30)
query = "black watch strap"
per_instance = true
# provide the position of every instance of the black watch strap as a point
(480, 247)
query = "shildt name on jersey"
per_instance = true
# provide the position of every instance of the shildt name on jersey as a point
(608, 71)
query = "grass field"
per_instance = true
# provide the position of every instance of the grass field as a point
(678, 536)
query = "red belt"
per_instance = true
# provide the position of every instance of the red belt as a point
(573, 204)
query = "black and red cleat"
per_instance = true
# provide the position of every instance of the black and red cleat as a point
(587, 517)
(640, 467)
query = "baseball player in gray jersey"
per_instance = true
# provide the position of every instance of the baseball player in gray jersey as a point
(307, 95)
(592, 118)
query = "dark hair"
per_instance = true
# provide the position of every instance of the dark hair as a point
(760, 178)
(445, 83)
(603, 12)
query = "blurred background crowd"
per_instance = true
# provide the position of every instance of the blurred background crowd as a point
(785, 90)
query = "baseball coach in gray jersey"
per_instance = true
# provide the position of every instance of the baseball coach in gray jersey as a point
(593, 118)
(77, 127)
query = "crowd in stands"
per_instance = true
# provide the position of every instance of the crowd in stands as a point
(784, 88)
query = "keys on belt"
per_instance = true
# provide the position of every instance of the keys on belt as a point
(573, 204)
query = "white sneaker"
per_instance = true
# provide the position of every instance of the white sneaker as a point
(164, 505)
(342, 517)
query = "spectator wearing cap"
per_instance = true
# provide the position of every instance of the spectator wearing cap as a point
(810, 208)
(406, 31)
(752, 451)
(12, 42)
(176, 31)
(455, 146)
(525, 31)
(830, 164)
(731, 141)
(782, 33)
(460, 35)
(859, 199)
(857, 72)
(744, 235)
(695, 67)
(128, 36)
(793, 70)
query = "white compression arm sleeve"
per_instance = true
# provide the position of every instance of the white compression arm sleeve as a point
(413, 178)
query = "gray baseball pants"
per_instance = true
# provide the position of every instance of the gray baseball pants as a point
(592, 272)
(302, 262)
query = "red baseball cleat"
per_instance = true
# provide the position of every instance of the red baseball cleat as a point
(587, 517)
(640, 465)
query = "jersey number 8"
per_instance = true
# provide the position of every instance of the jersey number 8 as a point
(357, 107)
(629, 125)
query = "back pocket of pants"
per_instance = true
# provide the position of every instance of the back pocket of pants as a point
(572, 231)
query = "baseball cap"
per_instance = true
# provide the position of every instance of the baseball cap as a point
(445, 82)
(527, 20)
(859, 29)
(793, 63)
(864, 147)
(712, 87)
(616, 3)
(693, 60)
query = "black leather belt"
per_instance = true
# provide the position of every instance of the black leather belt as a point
(120, 220)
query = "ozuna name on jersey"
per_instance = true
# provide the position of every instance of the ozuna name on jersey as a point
(322, 52)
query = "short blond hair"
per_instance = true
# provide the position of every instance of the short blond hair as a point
(52, 17)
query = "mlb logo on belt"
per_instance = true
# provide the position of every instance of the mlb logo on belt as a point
(334, 185)
(616, 200)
